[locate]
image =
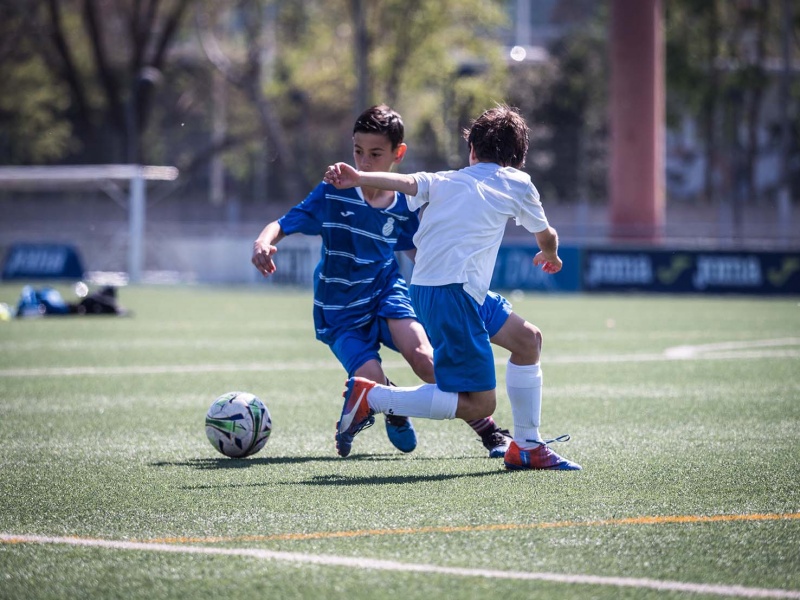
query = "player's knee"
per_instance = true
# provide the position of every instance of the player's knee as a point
(530, 344)
(536, 340)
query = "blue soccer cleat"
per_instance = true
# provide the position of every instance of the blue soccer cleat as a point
(356, 413)
(401, 433)
(540, 457)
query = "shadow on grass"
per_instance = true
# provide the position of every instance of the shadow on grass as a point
(204, 464)
(394, 479)
(347, 480)
(335, 479)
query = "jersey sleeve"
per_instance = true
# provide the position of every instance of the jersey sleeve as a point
(306, 217)
(531, 212)
(423, 190)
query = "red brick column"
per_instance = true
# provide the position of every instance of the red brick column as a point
(636, 185)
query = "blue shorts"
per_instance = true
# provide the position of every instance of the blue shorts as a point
(354, 347)
(357, 346)
(494, 312)
(459, 329)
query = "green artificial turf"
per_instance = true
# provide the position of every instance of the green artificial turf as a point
(683, 411)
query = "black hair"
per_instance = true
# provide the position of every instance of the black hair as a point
(382, 120)
(499, 135)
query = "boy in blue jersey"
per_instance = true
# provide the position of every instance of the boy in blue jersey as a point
(360, 298)
(466, 213)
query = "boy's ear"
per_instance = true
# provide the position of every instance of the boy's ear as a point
(399, 153)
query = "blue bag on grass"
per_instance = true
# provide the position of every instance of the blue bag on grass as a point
(44, 301)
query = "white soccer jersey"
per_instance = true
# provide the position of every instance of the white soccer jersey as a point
(465, 216)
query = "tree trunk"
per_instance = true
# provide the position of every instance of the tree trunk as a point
(710, 107)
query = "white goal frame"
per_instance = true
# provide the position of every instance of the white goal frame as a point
(106, 178)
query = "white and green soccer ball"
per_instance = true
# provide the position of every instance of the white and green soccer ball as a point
(238, 424)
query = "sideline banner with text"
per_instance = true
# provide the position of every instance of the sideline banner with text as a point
(515, 270)
(691, 271)
(42, 261)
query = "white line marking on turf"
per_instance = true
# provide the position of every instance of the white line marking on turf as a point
(777, 348)
(688, 352)
(389, 565)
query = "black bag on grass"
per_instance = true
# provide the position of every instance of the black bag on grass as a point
(101, 302)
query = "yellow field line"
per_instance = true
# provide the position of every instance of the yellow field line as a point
(655, 520)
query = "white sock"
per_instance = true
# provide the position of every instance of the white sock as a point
(426, 401)
(524, 388)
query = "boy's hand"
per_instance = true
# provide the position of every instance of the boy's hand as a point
(262, 257)
(342, 176)
(551, 263)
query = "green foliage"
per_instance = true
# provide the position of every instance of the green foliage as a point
(32, 104)
(291, 82)
(416, 52)
(718, 74)
(305, 71)
(31, 109)
(566, 100)
(454, 70)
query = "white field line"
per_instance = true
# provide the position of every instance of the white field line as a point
(679, 353)
(722, 347)
(389, 565)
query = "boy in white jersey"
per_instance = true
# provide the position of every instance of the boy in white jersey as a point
(360, 298)
(466, 212)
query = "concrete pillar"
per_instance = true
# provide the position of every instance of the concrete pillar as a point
(136, 219)
(636, 186)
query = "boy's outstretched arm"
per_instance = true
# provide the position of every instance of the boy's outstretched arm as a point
(547, 256)
(264, 248)
(342, 175)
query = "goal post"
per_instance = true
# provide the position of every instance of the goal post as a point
(99, 176)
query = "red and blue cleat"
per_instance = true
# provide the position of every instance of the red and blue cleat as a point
(540, 457)
(356, 413)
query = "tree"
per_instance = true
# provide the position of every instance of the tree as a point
(103, 59)
(32, 129)
(718, 57)
(133, 80)
(249, 77)
(307, 68)
(566, 100)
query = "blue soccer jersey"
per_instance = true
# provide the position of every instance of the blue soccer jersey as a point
(357, 267)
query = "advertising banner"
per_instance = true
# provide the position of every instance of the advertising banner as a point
(515, 270)
(691, 271)
(42, 261)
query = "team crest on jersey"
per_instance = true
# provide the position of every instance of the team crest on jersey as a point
(389, 227)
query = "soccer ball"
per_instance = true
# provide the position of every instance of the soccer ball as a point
(238, 424)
